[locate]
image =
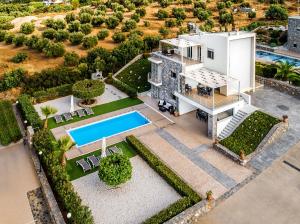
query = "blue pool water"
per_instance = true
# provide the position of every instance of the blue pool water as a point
(112, 126)
(268, 56)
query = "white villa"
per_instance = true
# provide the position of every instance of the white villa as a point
(208, 73)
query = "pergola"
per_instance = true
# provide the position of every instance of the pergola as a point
(179, 42)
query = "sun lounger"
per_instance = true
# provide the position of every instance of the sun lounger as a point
(108, 152)
(115, 149)
(58, 119)
(84, 165)
(89, 111)
(93, 160)
(80, 113)
(68, 116)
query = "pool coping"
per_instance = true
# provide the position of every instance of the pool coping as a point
(278, 54)
(106, 119)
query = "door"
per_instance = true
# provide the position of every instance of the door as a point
(190, 52)
(199, 53)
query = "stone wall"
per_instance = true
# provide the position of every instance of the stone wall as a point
(294, 34)
(280, 86)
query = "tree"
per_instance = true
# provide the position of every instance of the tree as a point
(151, 42)
(118, 37)
(54, 50)
(115, 169)
(251, 14)
(112, 22)
(141, 11)
(19, 57)
(74, 26)
(85, 18)
(60, 148)
(162, 14)
(276, 12)
(284, 70)
(89, 42)
(164, 31)
(97, 21)
(70, 17)
(19, 40)
(49, 33)
(88, 89)
(71, 59)
(27, 28)
(119, 15)
(201, 14)
(86, 28)
(179, 13)
(135, 17)
(129, 25)
(61, 35)
(76, 38)
(47, 111)
(2, 35)
(102, 34)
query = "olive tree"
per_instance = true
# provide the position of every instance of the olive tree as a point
(27, 28)
(88, 89)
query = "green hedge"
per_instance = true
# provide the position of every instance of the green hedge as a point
(67, 197)
(265, 70)
(28, 112)
(190, 197)
(250, 133)
(131, 92)
(53, 93)
(9, 129)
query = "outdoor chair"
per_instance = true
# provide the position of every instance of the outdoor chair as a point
(58, 119)
(80, 113)
(67, 116)
(93, 160)
(89, 111)
(161, 103)
(84, 165)
(115, 149)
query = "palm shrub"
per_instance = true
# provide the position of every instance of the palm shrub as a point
(19, 57)
(74, 26)
(19, 40)
(115, 169)
(85, 18)
(76, 38)
(71, 59)
(86, 28)
(284, 70)
(8, 39)
(118, 37)
(97, 21)
(27, 28)
(48, 111)
(49, 33)
(112, 22)
(88, 89)
(102, 34)
(60, 148)
(54, 50)
(89, 42)
(129, 25)
(61, 35)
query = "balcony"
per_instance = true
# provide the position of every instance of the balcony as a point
(171, 55)
(155, 80)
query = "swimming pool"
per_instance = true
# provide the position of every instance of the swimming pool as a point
(93, 132)
(269, 56)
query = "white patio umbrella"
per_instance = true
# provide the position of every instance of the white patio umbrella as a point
(103, 154)
(72, 104)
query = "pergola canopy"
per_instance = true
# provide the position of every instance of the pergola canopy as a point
(179, 42)
(208, 77)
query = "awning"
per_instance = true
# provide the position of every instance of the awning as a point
(179, 42)
(207, 77)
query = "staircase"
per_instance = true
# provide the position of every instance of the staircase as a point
(233, 124)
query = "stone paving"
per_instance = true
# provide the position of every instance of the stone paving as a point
(278, 104)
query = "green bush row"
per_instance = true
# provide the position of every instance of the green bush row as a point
(12, 79)
(265, 70)
(28, 112)
(66, 196)
(9, 129)
(52, 93)
(190, 197)
(131, 92)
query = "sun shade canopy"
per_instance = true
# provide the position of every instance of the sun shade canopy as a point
(179, 42)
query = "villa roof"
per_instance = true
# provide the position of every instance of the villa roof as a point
(180, 42)
(207, 77)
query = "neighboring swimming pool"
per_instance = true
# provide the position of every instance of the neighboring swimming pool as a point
(90, 133)
(269, 56)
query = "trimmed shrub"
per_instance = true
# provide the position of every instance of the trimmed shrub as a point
(129, 25)
(88, 89)
(118, 37)
(19, 57)
(112, 22)
(49, 33)
(54, 50)
(19, 40)
(74, 26)
(97, 21)
(61, 35)
(27, 28)
(115, 169)
(71, 59)
(76, 38)
(102, 34)
(86, 28)
(28, 111)
(89, 42)
(85, 18)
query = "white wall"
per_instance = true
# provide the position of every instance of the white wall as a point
(241, 62)
(184, 107)
(222, 124)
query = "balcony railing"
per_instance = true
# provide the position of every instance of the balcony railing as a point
(154, 79)
(177, 58)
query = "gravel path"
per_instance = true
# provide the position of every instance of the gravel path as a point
(140, 198)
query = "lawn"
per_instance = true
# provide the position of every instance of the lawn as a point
(100, 109)
(136, 75)
(9, 129)
(250, 133)
(76, 172)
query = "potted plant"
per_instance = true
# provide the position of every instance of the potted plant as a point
(209, 196)
(242, 155)
(285, 118)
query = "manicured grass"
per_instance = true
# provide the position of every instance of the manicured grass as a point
(76, 172)
(9, 129)
(136, 75)
(250, 133)
(100, 109)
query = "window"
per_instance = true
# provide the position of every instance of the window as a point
(295, 45)
(173, 75)
(173, 97)
(189, 52)
(210, 53)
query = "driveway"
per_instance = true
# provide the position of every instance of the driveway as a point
(271, 198)
(17, 177)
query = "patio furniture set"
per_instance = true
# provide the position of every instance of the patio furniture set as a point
(164, 106)
(201, 115)
(201, 90)
(93, 161)
(69, 116)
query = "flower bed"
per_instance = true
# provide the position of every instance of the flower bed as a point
(250, 133)
(189, 196)
(9, 129)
